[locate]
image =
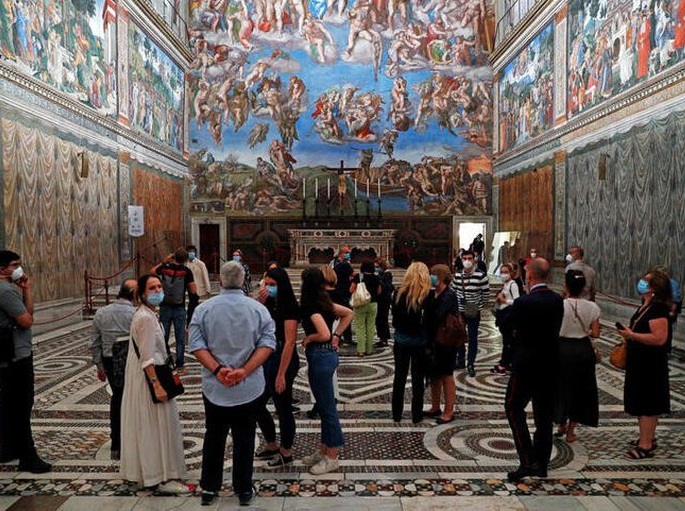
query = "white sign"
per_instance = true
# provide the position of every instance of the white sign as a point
(136, 223)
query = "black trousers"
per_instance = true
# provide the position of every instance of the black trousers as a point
(382, 326)
(520, 391)
(241, 422)
(16, 403)
(404, 356)
(114, 405)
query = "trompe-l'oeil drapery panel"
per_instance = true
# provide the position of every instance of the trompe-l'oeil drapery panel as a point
(635, 217)
(60, 222)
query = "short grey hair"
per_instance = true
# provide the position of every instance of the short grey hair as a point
(232, 275)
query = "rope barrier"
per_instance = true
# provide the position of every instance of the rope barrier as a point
(38, 323)
(126, 266)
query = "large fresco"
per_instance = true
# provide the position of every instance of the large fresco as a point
(155, 90)
(526, 92)
(70, 45)
(341, 105)
(615, 45)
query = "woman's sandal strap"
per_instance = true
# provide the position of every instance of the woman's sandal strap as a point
(638, 453)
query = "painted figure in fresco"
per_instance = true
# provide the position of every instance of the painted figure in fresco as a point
(296, 90)
(403, 54)
(361, 27)
(257, 72)
(258, 134)
(202, 109)
(316, 35)
(240, 106)
(400, 7)
(287, 127)
(400, 106)
(283, 161)
(240, 24)
(643, 46)
(387, 142)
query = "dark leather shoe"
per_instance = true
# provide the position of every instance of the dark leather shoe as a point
(6, 458)
(523, 472)
(247, 497)
(36, 466)
(471, 371)
(208, 497)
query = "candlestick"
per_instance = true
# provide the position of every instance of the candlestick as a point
(355, 187)
(304, 188)
(379, 187)
(316, 188)
(328, 187)
(367, 187)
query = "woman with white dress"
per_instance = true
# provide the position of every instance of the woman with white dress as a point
(151, 438)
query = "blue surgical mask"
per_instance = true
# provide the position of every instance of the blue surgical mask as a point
(236, 259)
(642, 287)
(273, 291)
(191, 255)
(347, 256)
(434, 280)
(378, 271)
(155, 299)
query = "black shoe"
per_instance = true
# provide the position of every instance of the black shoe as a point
(266, 454)
(247, 497)
(295, 401)
(471, 371)
(312, 414)
(461, 365)
(6, 458)
(523, 472)
(208, 497)
(115, 454)
(278, 462)
(35, 466)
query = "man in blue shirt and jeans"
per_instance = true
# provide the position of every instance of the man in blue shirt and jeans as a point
(231, 335)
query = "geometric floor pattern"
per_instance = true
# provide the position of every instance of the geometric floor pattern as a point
(467, 458)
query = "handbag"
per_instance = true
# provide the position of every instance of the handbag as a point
(619, 356)
(451, 332)
(166, 375)
(361, 295)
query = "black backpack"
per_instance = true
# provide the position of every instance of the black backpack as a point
(174, 284)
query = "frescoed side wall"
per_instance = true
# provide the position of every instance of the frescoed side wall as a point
(615, 45)
(59, 222)
(281, 92)
(162, 199)
(526, 205)
(70, 45)
(156, 90)
(526, 92)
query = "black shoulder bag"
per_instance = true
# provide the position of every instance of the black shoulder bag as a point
(166, 375)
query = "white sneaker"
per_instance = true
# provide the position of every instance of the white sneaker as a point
(173, 488)
(324, 466)
(312, 459)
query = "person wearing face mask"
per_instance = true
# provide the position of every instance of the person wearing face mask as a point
(505, 298)
(16, 366)
(646, 391)
(247, 285)
(343, 269)
(384, 301)
(472, 289)
(151, 439)
(280, 369)
(365, 315)
(575, 261)
(200, 273)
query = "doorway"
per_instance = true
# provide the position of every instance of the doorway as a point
(210, 247)
(468, 231)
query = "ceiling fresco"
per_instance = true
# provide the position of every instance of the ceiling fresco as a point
(344, 102)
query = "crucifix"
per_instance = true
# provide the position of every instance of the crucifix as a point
(342, 184)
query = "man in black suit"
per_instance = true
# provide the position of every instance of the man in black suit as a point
(537, 319)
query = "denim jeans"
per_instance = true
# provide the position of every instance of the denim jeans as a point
(365, 327)
(322, 363)
(177, 315)
(472, 325)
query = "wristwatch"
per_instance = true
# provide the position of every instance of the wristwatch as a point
(218, 368)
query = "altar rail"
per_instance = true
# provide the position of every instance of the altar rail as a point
(303, 241)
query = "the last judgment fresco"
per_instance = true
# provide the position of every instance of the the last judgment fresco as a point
(341, 106)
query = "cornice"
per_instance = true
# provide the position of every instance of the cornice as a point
(145, 16)
(84, 121)
(510, 161)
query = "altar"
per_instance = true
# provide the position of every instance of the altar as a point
(303, 241)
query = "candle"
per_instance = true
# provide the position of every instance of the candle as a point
(316, 188)
(304, 188)
(328, 188)
(379, 187)
(355, 187)
(367, 187)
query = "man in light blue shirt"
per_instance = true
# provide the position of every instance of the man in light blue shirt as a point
(231, 335)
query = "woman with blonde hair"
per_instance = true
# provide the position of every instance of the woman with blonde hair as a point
(409, 306)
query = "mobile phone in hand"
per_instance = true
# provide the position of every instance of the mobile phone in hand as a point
(620, 326)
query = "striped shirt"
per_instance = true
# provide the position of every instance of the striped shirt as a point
(471, 287)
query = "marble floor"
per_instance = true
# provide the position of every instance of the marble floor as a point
(384, 465)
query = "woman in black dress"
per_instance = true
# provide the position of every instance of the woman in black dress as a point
(646, 391)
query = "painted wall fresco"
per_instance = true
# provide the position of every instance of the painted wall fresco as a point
(60, 222)
(400, 91)
(156, 87)
(615, 45)
(162, 199)
(70, 45)
(526, 92)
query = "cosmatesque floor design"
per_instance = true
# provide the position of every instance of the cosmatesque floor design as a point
(467, 458)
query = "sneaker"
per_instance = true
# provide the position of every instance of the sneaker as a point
(267, 454)
(36, 466)
(324, 466)
(247, 497)
(498, 369)
(471, 371)
(312, 459)
(208, 497)
(279, 461)
(173, 488)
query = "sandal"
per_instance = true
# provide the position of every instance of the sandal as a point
(571, 437)
(636, 443)
(638, 453)
(561, 431)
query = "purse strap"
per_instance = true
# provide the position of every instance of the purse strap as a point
(574, 308)
(633, 323)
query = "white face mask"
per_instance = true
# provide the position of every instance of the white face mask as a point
(505, 277)
(569, 258)
(533, 255)
(17, 274)
(468, 264)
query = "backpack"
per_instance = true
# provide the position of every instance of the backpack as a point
(361, 295)
(174, 284)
